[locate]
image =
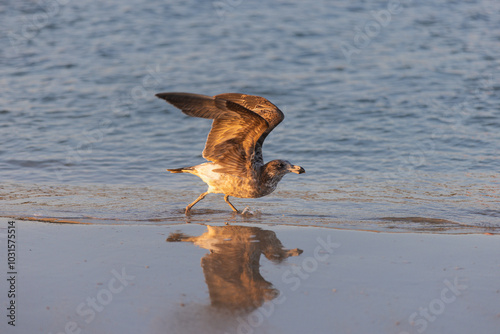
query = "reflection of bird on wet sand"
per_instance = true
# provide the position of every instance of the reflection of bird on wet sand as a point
(232, 268)
(240, 125)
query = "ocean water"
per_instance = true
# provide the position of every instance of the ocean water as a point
(392, 108)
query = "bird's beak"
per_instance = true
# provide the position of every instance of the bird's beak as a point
(297, 170)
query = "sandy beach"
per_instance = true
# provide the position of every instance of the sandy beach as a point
(90, 278)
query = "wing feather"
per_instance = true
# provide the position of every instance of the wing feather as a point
(259, 105)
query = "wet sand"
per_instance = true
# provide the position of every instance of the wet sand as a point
(90, 278)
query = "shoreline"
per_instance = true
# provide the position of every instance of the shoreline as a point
(381, 225)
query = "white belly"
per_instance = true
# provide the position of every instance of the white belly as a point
(206, 173)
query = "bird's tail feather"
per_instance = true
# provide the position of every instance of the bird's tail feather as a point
(181, 170)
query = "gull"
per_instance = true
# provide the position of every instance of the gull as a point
(233, 148)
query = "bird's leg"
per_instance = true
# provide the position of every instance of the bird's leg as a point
(202, 196)
(226, 198)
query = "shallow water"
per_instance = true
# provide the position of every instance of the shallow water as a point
(400, 131)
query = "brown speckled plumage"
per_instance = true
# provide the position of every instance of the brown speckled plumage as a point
(240, 125)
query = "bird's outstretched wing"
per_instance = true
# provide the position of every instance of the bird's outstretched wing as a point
(235, 130)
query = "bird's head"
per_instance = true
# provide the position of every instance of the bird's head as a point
(278, 168)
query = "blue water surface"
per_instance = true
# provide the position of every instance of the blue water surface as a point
(392, 107)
